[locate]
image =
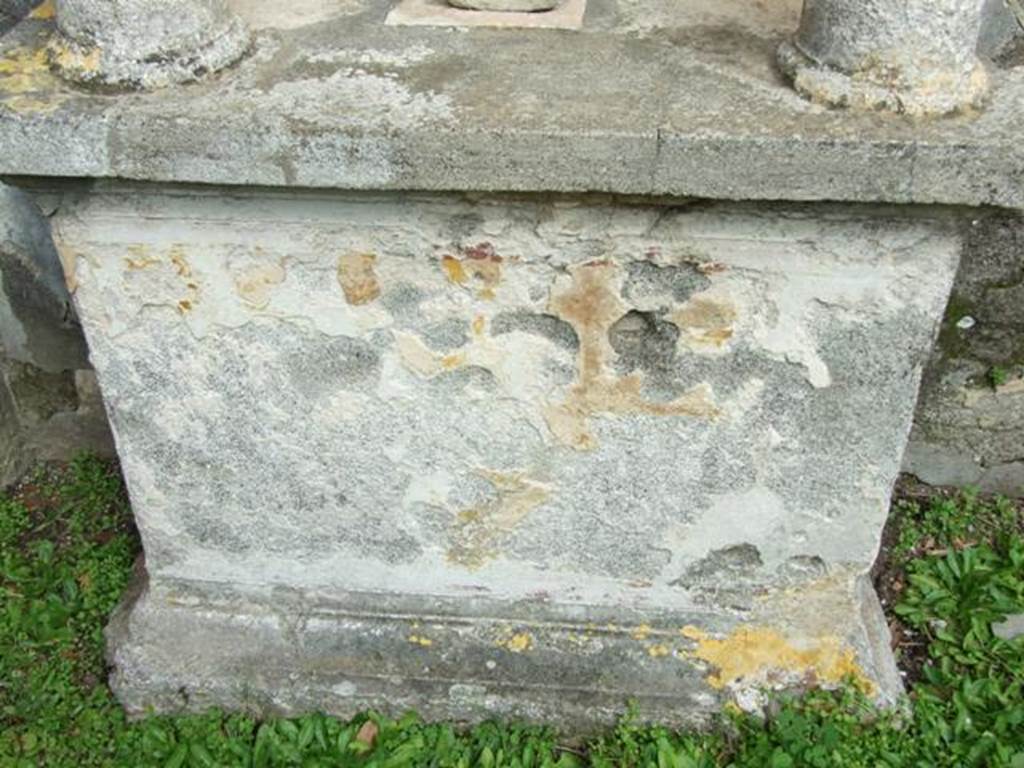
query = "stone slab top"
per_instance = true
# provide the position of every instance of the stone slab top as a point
(649, 97)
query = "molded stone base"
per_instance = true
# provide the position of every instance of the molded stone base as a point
(883, 88)
(129, 67)
(190, 646)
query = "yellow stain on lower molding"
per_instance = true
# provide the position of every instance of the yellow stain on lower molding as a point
(517, 642)
(421, 640)
(658, 650)
(641, 632)
(751, 652)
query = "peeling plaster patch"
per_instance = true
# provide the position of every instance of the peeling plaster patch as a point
(591, 304)
(653, 286)
(729, 520)
(548, 326)
(519, 363)
(705, 323)
(176, 256)
(752, 657)
(174, 272)
(477, 529)
(431, 489)
(422, 360)
(254, 285)
(357, 277)
(479, 265)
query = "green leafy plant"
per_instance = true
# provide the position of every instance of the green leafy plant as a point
(997, 376)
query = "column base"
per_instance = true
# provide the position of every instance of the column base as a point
(130, 66)
(884, 87)
(180, 647)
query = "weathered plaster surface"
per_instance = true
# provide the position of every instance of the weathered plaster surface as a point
(668, 411)
(678, 97)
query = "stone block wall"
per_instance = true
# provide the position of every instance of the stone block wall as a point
(50, 406)
(969, 427)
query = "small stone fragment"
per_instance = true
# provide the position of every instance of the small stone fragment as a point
(965, 323)
(1010, 629)
(367, 733)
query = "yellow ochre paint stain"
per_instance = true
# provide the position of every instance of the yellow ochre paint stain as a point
(749, 651)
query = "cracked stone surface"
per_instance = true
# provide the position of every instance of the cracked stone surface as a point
(475, 435)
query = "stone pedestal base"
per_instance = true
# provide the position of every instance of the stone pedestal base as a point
(483, 456)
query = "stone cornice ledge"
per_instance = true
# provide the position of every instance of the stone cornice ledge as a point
(645, 100)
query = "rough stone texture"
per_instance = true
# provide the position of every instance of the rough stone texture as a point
(968, 429)
(144, 43)
(917, 57)
(37, 322)
(525, 456)
(58, 414)
(681, 98)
